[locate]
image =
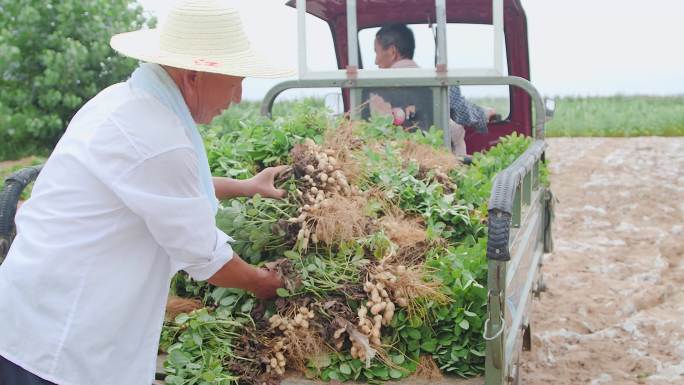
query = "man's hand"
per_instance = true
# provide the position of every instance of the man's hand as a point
(268, 283)
(489, 113)
(263, 182)
(378, 106)
(240, 274)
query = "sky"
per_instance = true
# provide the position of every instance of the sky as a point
(577, 47)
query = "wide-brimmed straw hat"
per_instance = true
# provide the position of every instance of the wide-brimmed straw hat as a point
(199, 35)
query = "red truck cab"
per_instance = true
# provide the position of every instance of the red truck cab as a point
(376, 13)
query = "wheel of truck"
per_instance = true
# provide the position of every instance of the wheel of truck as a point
(4, 248)
(9, 198)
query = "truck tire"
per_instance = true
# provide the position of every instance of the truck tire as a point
(9, 198)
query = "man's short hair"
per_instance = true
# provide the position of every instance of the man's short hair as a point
(398, 35)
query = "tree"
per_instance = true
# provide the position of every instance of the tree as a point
(55, 56)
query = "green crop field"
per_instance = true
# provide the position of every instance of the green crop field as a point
(615, 116)
(619, 116)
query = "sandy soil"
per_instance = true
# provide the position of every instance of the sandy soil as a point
(614, 309)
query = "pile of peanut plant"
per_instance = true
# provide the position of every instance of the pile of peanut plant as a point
(381, 244)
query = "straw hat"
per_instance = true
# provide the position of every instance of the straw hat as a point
(200, 35)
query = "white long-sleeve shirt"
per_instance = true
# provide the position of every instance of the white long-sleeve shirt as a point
(116, 211)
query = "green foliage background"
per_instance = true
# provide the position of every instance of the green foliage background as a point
(618, 116)
(54, 56)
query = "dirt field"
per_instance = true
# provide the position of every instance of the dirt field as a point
(614, 309)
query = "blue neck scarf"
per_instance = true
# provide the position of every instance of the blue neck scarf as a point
(153, 79)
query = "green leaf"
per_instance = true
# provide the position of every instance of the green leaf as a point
(282, 292)
(174, 380)
(247, 306)
(178, 358)
(227, 301)
(412, 345)
(394, 373)
(181, 318)
(429, 346)
(270, 160)
(356, 364)
(413, 334)
(209, 376)
(218, 293)
(204, 316)
(464, 324)
(289, 254)
(445, 341)
(197, 339)
(380, 371)
(334, 375)
(345, 369)
(398, 359)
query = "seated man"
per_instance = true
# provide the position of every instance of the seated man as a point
(394, 48)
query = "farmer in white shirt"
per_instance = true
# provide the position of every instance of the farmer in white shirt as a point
(124, 202)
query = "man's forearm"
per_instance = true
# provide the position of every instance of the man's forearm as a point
(227, 188)
(236, 273)
(241, 275)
